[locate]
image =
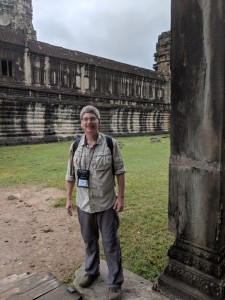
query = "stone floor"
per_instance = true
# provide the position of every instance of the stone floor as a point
(134, 287)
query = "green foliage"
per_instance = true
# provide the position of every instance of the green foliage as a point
(144, 237)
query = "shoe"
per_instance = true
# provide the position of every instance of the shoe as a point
(87, 280)
(115, 293)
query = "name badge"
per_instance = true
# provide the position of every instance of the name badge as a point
(83, 178)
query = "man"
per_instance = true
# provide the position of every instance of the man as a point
(91, 167)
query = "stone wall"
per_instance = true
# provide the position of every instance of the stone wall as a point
(46, 118)
(43, 88)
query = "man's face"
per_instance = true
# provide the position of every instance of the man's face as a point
(90, 123)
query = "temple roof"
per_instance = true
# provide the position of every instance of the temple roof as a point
(19, 38)
(12, 36)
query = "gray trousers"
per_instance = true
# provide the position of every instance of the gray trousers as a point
(107, 222)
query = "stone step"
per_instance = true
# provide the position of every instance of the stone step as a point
(134, 287)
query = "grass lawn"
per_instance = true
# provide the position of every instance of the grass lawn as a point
(143, 231)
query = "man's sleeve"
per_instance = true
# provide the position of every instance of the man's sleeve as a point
(70, 175)
(117, 160)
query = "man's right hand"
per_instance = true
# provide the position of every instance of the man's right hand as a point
(69, 207)
(69, 191)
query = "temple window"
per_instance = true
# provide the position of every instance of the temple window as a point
(36, 72)
(53, 77)
(6, 67)
(150, 91)
(144, 90)
(115, 85)
(86, 71)
(138, 90)
(65, 79)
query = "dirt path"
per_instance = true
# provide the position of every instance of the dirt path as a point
(35, 236)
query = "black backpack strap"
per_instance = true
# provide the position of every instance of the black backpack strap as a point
(75, 145)
(74, 148)
(72, 151)
(110, 145)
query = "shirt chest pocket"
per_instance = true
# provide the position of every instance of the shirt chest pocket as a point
(102, 161)
(78, 161)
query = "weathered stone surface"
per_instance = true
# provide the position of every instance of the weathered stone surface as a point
(196, 267)
(134, 287)
(162, 59)
(45, 120)
(18, 14)
(162, 55)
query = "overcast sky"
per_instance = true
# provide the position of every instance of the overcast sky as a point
(121, 30)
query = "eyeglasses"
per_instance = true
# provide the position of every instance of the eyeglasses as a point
(91, 119)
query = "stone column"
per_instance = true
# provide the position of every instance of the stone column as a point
(196, 265)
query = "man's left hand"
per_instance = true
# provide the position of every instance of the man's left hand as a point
(119, 204)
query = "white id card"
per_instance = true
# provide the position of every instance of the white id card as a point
(82, 183)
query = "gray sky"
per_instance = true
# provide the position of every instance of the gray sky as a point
(121, 30)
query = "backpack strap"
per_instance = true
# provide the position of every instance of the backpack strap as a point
(75, 145)
(110, 145)
(72, 151)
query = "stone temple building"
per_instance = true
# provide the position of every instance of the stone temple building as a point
(43, 87)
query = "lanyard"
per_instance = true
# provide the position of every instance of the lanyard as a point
(85, 157)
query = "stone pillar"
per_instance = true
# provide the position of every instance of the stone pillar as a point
(196, 265)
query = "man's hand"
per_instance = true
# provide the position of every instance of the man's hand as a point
(119, 204)
(69, 207)
(69, 191)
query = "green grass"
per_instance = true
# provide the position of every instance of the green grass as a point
(43, 164)
(144, 237)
